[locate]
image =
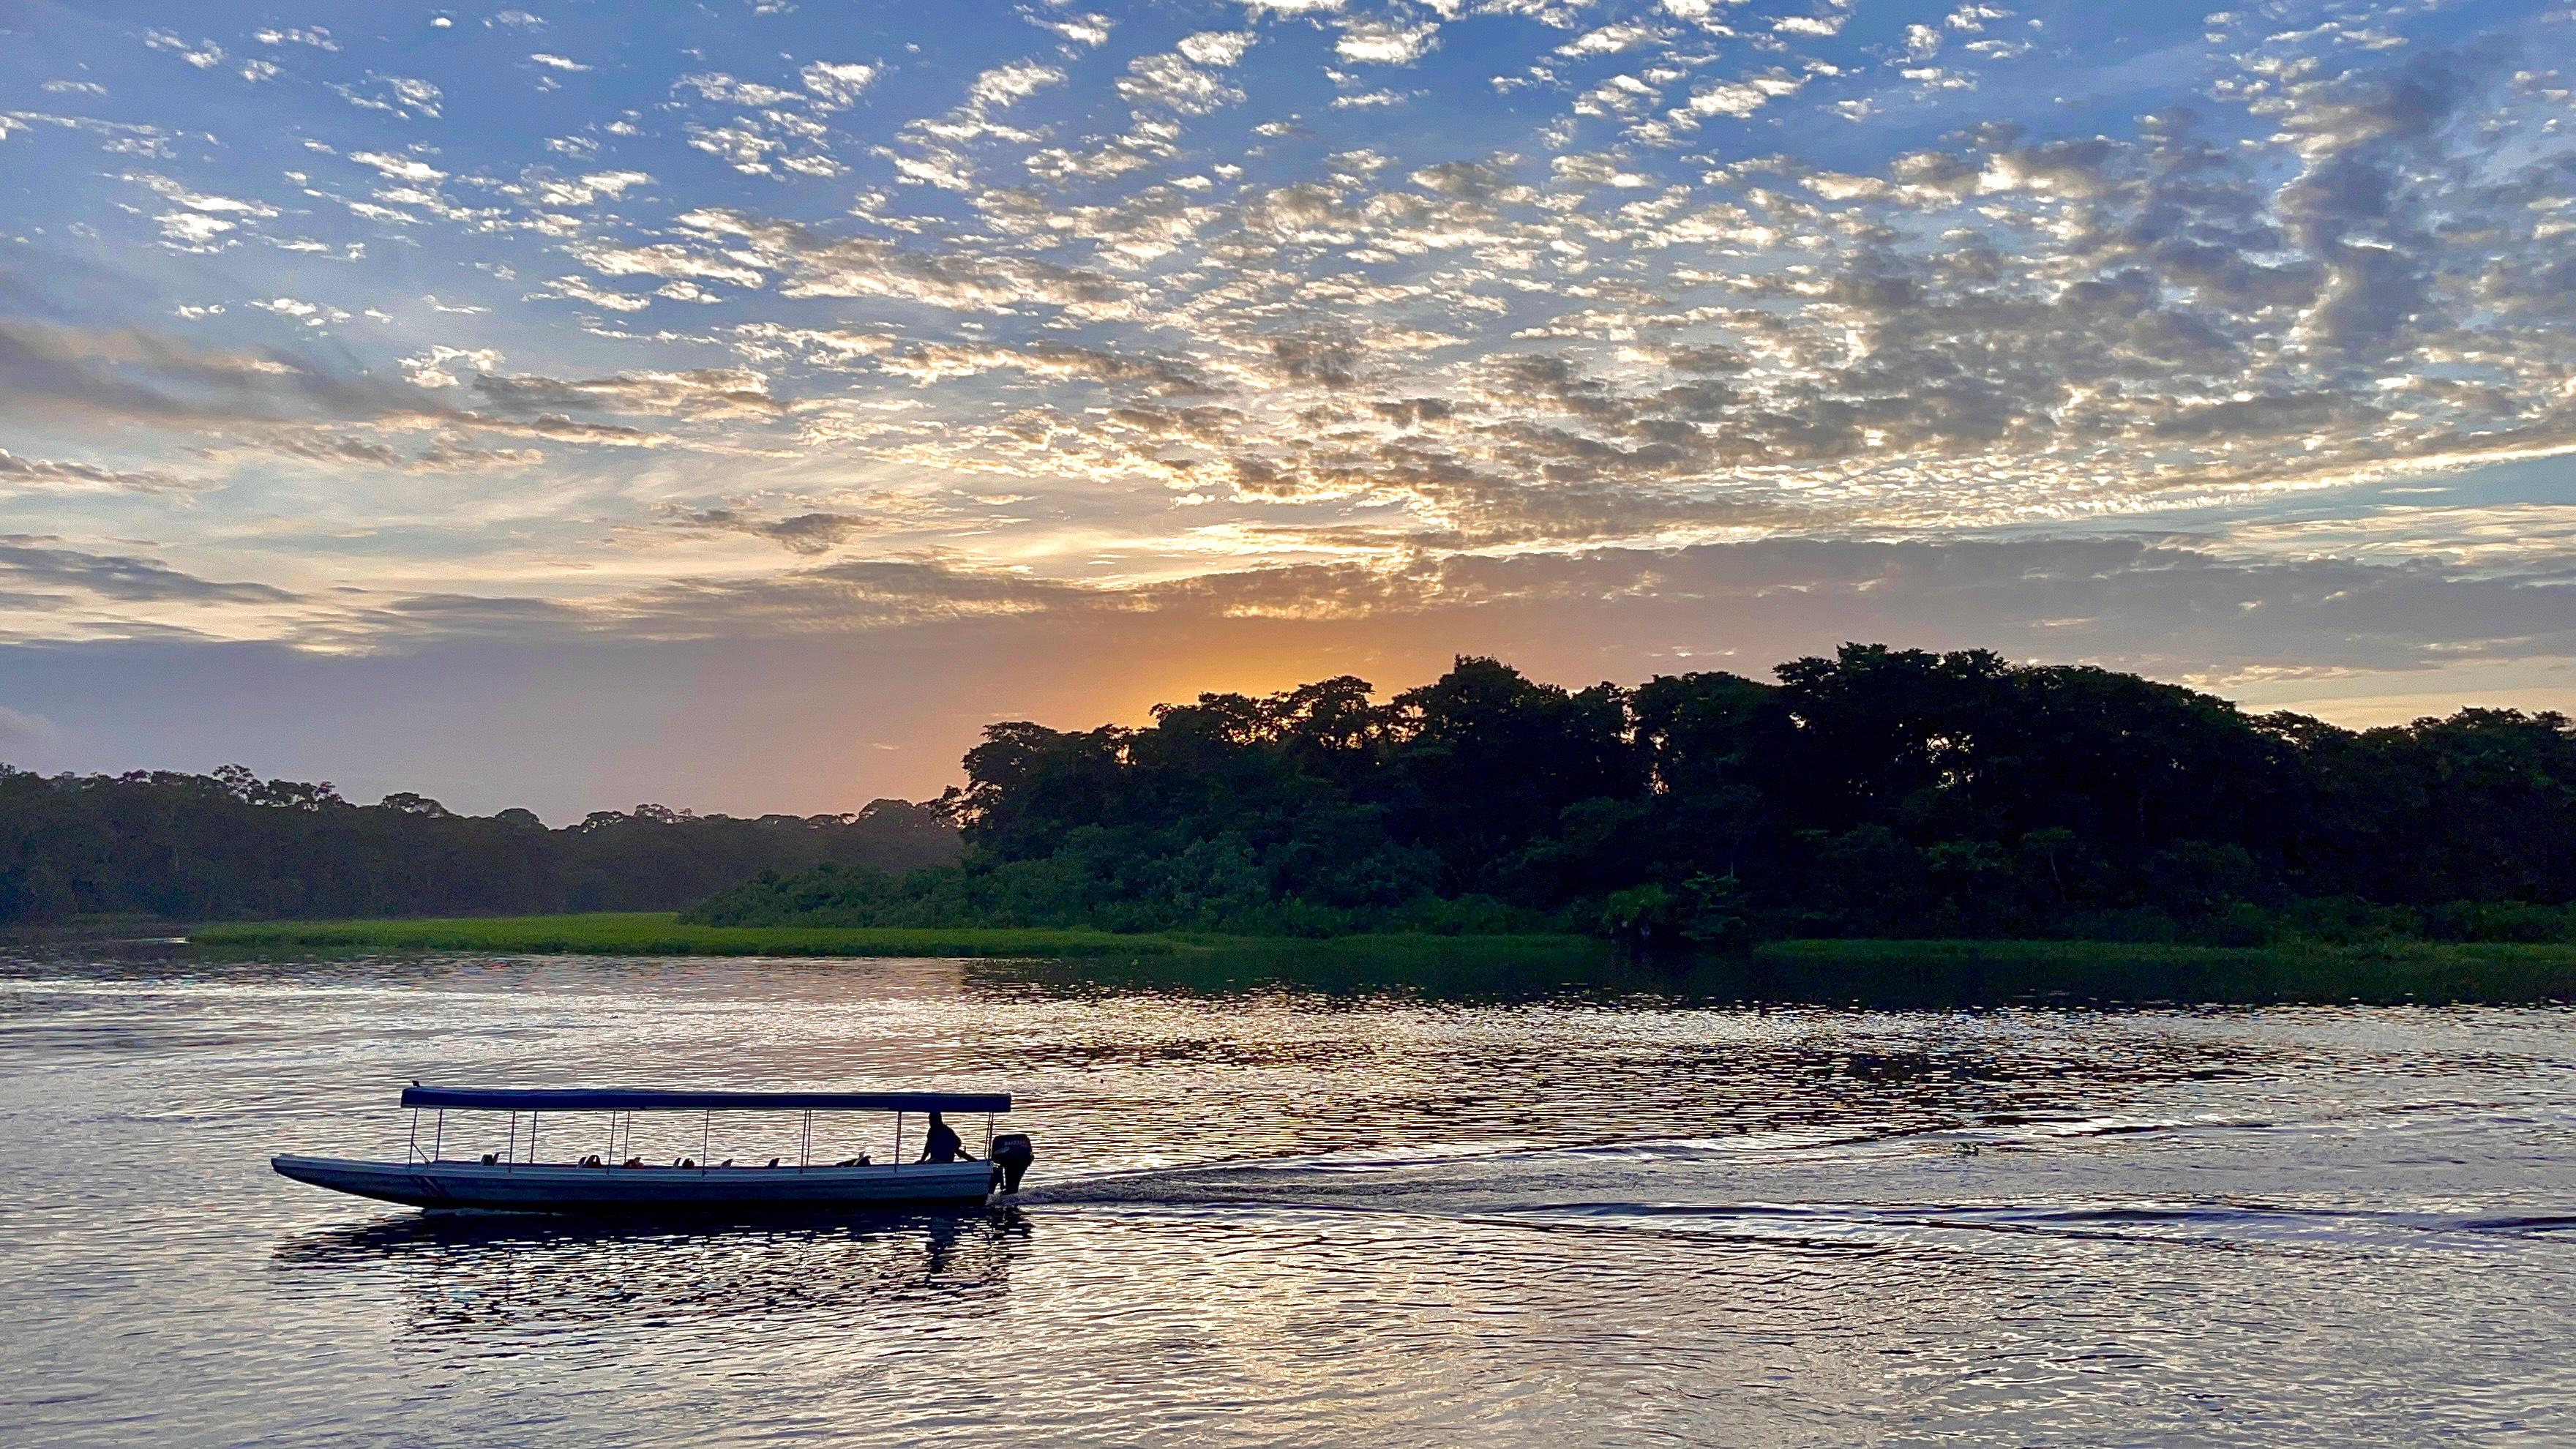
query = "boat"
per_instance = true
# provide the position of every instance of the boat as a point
(613, 1182)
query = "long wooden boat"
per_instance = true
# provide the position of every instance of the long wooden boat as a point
(604, 1183)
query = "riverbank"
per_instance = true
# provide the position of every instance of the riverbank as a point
(1830, 972)
(663, 934)
(659, 933)
(1955, 973)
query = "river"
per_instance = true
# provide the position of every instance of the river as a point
(1272, 1215)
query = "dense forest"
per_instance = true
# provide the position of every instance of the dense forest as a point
(1879, 792)
(205, 847)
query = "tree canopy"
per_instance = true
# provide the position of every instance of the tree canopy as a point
(1879, 791)
(203, 847)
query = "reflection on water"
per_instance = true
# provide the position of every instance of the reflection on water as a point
(1592, 1209)
(470, 1276)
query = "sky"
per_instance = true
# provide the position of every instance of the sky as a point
(735, 405)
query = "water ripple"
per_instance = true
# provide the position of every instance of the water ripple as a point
(1268, 1217)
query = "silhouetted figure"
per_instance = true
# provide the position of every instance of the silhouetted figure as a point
(944, 1145)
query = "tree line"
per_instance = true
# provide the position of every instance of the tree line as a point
(1878, 792)
(231, 845)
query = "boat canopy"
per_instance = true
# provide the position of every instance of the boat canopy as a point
(630, 1099)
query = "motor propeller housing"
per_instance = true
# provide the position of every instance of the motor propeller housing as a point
(1012, 1155)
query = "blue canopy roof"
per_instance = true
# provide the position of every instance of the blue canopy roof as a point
(631, 1099)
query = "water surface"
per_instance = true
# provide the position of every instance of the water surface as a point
(1271, 1215)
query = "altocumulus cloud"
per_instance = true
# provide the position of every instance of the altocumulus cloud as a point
(1749, 310)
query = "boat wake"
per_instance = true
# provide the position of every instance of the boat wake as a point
(2232, 1184)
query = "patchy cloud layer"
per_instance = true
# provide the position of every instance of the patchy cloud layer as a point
(711, 323)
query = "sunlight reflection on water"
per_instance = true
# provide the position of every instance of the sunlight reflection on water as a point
(1280, 1216)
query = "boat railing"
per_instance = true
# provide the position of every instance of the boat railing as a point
(623, 1104)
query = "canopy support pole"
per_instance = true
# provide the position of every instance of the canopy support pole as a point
(411, 1149)
(898, 1139)
(706, 1134)
(532, 1139)
(805, 1144)
(988, 1137)
(439, 1135)
(513, 1154)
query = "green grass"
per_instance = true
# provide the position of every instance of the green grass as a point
(662, 934)
(1966, 972)
(1858, 972)
(659, 933)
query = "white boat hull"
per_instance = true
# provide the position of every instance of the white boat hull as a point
(562, 1188)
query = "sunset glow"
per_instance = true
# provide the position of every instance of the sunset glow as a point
(2231, 347)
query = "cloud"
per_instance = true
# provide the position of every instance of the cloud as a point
(40, 475)
(584, 190)
(801, 533)
(1741, 98)
(2362, 135)
(37, 562)
(719, 392)
(717, 86)
(400, 168)
(580, 289)
(930, 363)
(395, 95)
(200, 221)
(452, 453)
(666, 260)
(1385, 42)
(341, 451)
(315, 36)
(1173, 83)
(297, 406)
(1994, 357)
(938, 151)
(311, 314)
(1088, 30)
(841, 597)
(777, 133)
(825, 266)
(837, 85)
(2168, 608)
(1490, 180)
(1610, 40)
(1811, 25)
(1218, 48)
(1212, 313)
(137, 375)
(204, 54)
(1005, 84)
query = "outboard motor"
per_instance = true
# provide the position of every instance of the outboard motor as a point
(1012, 1155)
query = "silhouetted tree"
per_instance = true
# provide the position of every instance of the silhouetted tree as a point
(230, 844)
(1876, 791)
